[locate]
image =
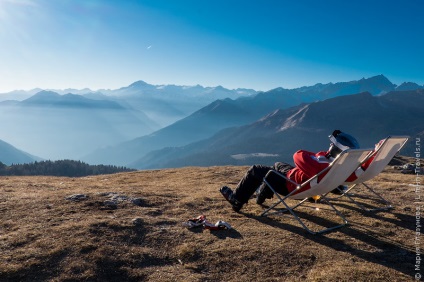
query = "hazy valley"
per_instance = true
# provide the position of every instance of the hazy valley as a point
(147, 126)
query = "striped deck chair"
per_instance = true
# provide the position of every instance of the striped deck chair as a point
(335, 174)
(382, 156)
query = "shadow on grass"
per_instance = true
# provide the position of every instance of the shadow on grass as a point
(390, 254)
(44, 270)
(110, 269)
(401, 219)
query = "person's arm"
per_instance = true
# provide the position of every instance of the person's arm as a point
(310, 163)
(307, 164)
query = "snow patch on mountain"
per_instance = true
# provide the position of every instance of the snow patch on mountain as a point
(295, 119)
(252, 155)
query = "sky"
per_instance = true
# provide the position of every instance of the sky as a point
(109, 44)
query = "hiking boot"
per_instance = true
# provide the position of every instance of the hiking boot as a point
(264, 193)
(229, 196)
(339, 190)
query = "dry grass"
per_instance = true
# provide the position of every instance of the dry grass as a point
(44, 237)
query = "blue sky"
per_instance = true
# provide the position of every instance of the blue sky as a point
(234, 43)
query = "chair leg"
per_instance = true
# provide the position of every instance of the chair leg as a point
(291, 210)
(345, 222)
(281, 200)
(387, 204)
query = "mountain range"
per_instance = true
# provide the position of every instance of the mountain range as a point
(223, 114)
(57, 126)
(163, 103)
(278, 135)
(148, 126)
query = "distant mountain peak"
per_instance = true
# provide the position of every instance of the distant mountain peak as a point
(139, 83)
(380, 78)
(43, 96)
(408, 86)
(47, 93)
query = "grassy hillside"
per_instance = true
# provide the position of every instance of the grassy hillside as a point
(46, 237)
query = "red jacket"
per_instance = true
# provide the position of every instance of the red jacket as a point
(307, 164)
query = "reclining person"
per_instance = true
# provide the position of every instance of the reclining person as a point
(307, 164)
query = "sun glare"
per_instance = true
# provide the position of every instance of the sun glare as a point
(8, 8)
(10, 11)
